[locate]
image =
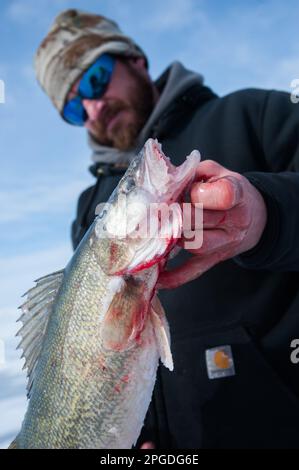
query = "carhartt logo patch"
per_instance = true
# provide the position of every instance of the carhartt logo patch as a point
(220, 362)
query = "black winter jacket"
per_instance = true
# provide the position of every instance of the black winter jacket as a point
(250, 303)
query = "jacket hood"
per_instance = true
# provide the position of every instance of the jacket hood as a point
(172, 84)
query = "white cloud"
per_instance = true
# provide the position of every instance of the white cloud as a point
(28, 73)
(21, 202)
(18, 272)
(282, 72)
(172, 15)
(4, 68)
(23, 12)
(238, 47)
(12, 410)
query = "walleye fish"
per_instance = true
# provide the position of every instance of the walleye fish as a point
(93, 333)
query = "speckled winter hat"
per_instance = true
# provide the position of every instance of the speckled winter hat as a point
(75, 40)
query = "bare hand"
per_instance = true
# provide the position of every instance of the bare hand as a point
(234, 218)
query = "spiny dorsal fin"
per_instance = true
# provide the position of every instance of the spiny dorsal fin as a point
(36, 311)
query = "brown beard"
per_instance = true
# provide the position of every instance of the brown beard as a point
(141, 104)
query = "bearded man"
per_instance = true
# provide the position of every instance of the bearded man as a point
(234, 384)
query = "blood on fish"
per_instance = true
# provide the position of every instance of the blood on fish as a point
(138, 338)
(158, 152)
(124, 340)
(125, 378)
(148, 264)
(102, 364)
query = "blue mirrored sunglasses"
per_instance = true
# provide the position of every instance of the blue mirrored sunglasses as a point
(92, 86)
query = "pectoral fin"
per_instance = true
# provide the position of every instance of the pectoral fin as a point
(162, 333)
(125, 317)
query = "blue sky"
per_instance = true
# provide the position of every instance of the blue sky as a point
(44, 162)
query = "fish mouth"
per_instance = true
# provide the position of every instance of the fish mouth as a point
(157, 174)
(161, 185)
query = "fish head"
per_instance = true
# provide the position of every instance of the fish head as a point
(142, 221)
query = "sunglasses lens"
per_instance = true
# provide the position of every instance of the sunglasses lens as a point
(97, 77)
(74, 112)
(92, 85)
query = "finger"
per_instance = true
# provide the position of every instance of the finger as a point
(196, 218)
(223, 194)
(214, 219)
(209, 219)
(190, 270)
(208, 169)
(148, 445)
(207, 241)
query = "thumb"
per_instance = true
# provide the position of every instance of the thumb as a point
(220, 194)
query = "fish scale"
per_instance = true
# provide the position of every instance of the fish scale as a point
(93, 337)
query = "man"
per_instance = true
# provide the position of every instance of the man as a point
(234, 384)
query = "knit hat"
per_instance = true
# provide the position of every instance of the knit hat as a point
(75, 40)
